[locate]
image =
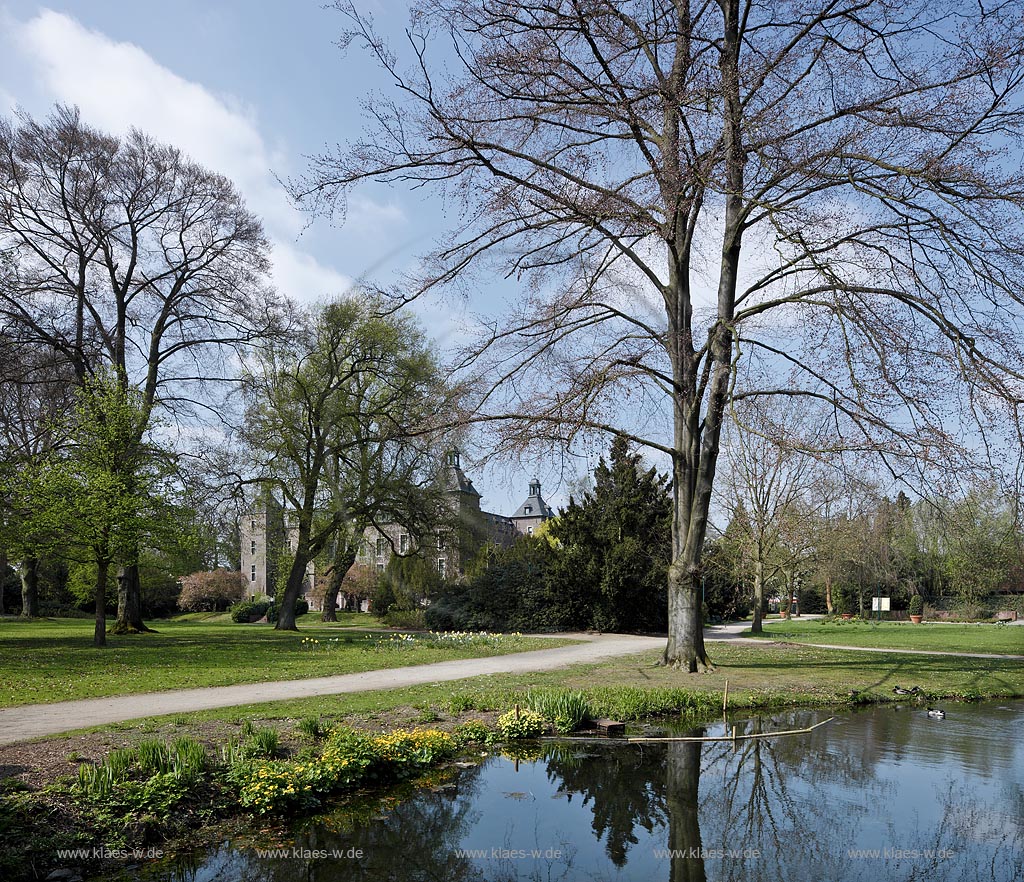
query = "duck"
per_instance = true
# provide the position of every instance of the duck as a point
(936, 714)
(899, 690)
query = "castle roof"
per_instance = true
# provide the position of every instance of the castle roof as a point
(534, 506)
(457, 480)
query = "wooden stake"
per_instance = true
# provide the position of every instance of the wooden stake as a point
(725, 699)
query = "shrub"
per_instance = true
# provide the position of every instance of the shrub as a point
(521, 723)
(406, 618)
(916, 607)
(213, 591)
(249, 611)
(301, 608)
(471, 732)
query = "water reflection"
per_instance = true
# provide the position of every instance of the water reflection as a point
(877, 794)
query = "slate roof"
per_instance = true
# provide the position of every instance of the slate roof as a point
(538, 508)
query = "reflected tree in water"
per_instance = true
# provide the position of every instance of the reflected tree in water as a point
(623, 787)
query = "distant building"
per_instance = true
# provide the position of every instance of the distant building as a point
(453, 543)
(268, 536)
(533, 512)
(268, 533)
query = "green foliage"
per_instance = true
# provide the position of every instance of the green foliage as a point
(348, 759)
(301, 608)
(312, 728)
(471, 732)
(565, 709)
(601, 564)
(249, 611)
(521, 723)
(916, 606)
(406, 582)
(261, 744)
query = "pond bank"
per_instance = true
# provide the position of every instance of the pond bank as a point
(633, 689)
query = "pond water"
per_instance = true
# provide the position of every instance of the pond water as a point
(883, 793)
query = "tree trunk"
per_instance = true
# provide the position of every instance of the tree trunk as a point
(3, 577)
(685, 649)
(99, 636)
(129, 602)
(343, 561)
(682, 786)
(30, 588)
(293, 588)
(755, 625)
(828, 595)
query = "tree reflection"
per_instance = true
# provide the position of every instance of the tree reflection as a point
(623, 786)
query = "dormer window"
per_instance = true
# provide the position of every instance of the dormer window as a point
(527, 509)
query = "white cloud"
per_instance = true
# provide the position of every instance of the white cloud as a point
(118, 85)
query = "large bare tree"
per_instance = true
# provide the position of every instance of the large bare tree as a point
(826, 192)
(124, 253)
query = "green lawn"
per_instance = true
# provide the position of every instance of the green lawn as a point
(634, 686)
(901, 635)
(54, 659)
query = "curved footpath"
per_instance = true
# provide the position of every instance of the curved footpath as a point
(36, 720)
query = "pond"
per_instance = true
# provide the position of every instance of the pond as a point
(881, 793)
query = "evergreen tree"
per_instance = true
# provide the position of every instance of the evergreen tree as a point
(616, 547)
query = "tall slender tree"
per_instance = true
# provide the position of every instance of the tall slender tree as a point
(828, 190)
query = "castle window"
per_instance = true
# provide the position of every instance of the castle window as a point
(529, 531)
(403, 543)
(252, 547)
(380, 568)
(382, 544)
(442, 567)
(252, 526)
(527, 509)
(252, 575)
(440, 542)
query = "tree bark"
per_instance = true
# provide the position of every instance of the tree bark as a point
(343, 561)
(685, 648)
(828, 595)
(99, 637)
(755, 626)
(30, 588)
(129, 602)
(293, 588)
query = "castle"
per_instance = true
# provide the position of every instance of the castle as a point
(267, 531)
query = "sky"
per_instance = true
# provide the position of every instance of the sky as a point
(249, 90)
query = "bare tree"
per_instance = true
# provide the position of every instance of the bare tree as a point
(769, 485)
(127, 254)
(828, 191)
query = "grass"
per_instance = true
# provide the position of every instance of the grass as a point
(634, 687)
(54, 660)
(1005, 639)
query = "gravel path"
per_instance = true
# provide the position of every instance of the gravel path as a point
(37, 720)
(34, 720)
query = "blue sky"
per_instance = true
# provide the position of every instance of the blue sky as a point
(249, 90)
